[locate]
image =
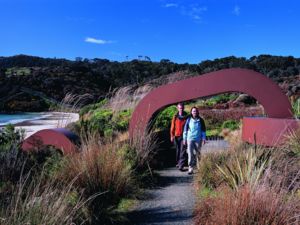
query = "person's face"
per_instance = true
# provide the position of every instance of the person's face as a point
(194, 112)
(180, 108)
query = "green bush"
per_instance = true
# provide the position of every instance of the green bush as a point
(106, 122)
(9, 137)
(230, 124)
(100, 121)
(92, 107)
(164, 118)
(121, 120)
(222, 98)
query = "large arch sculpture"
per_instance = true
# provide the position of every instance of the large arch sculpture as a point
(274, 101)
(60, 138)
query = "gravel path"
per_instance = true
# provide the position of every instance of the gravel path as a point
(173, 201)
(170, 203)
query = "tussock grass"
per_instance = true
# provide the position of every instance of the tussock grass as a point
(98, 167)
(71, 103)
(250, 185)
(40, 201)
(112, 167)
(246, 167)
(249, 205)
(127, 97)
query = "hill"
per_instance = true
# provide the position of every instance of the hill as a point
(29, 83)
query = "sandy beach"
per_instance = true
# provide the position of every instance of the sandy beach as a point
(48, 121)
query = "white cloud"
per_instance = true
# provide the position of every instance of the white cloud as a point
(237, 10)
(97, 41)
(196, 17)
(168, 5)
(194, 11)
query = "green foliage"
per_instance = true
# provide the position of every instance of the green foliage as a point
(164, 118)
(9, 137)
(209, 177)
(129, 155)
(230, 124)
(206, 192)
(48, 159)
(96, 76)
(92, 107)
(126, 204)
(293, 144)
(213, 132)
(121, 120)
(100, 121)
(18, 71)
(245, 168)
(106, 122)
(217, 99)
(296, 108)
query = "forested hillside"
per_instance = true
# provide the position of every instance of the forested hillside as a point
(29, 83)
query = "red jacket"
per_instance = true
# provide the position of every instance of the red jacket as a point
(177, 125)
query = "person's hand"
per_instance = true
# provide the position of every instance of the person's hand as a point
(184, 142)
(172, 139)
(203, 142)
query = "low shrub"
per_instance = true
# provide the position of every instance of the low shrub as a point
(230, 124)
(106, 122)
(164, 118)
(92, 107)
(10, 138)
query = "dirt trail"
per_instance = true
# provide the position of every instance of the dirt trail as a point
(172, 202)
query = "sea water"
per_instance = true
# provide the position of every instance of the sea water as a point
(18, 118)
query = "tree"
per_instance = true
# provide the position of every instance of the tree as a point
(78, 59)
(147, 58)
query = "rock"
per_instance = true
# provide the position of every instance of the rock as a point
(245, 99)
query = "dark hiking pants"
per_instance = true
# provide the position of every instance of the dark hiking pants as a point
(180, 152)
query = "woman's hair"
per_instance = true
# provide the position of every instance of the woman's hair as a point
(197, 111)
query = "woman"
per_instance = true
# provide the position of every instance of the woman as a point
(194, 135)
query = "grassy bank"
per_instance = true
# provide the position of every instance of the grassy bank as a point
(88, 187)
(250, 185)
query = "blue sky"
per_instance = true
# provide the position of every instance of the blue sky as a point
(179, 30)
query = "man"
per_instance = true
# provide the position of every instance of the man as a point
(176, 133)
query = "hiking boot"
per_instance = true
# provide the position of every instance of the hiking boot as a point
(182, 169)
(190, 170)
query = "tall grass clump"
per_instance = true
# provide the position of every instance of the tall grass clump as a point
(100, 168)
(71, 103)
(144, 147)
(209, 176)
(250, 185)
(249, 205)
(28, 192)
(292, 144)
(246, 167)
(127, 97)
(35, 201)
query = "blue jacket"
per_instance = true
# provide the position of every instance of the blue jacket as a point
(194, 129)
